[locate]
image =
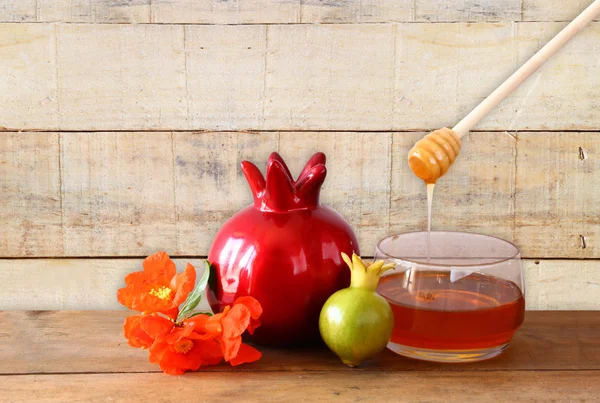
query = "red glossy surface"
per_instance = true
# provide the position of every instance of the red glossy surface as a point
(284, 251)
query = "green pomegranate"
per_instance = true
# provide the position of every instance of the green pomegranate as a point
(356, 323)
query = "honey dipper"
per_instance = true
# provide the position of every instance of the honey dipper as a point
(431, 157)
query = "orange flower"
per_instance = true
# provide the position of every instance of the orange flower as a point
(179, 344)
(158, 288)
(135, 335)
(227, 327)
(178, 349)
(255, 311)
(197, 341)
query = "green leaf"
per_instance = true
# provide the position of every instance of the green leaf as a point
(195, 296)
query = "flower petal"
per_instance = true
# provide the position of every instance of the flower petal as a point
(246, 353)
(254, 323)
(134, 334)
(171, 313)
(173, 362)
(235, 321)
(197, 336)
(178, 333)
(182, 284)
(137, 278)
(255, 311)
(198, 322)
(213, 325)
(209, 350)
(170, 370)
(156, 327)
(230, 347)
(157, 352)
(159, 268)
(143, 301)
(252, 304)
(125, 296)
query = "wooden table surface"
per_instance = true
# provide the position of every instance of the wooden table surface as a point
(60, 356)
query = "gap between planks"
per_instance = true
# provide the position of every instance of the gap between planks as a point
(288, 23)
(257, 131)
(311, 371)
(176, 256)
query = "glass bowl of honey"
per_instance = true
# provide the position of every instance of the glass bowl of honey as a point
(456, 296)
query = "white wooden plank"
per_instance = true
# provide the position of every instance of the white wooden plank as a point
(468, 10)
(118, 193)
(315, 77)
(210, 187)
(553, 10)
(225, 70)
(286, 11)
(445, 70)
(562, 284)
(476, 195)
(564, 93)
(28, 84)
(71, 283)
(93, 11)
(17, 10)
(329, 76)
(441, 67)
(30, 201)
(226, 12)
(357, 184)
(41, 284)
(129, 194)
(351, 11)
(121, 76)
(557, 194)
(383, 10)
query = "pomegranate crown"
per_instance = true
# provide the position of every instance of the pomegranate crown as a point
(279, 192)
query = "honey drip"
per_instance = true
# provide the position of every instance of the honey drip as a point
(430, 187)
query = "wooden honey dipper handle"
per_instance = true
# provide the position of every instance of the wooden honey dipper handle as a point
(431, 157)
(508, 86)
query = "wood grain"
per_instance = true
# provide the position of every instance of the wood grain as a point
(294, 387)
(57, 284)
(209, 185)
(225, 76)
(133, 74)
(226, 12)
(552, 207)
(131, 193)
(309, 80)
(468, 10)
(46, 342)
(562, 284)
(286, 11)
(363, 11)
(93, 283)
(117, 193)
(28, 67)
(94, 11)
(285, 77)
(17, 10)
(552, 10)
(30, 195)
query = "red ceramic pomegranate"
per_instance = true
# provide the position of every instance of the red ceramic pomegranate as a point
(284, 250)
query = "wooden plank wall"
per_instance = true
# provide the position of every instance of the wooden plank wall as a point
(123, 125)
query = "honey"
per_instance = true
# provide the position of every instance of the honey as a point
(431, 157)
(431, 312)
